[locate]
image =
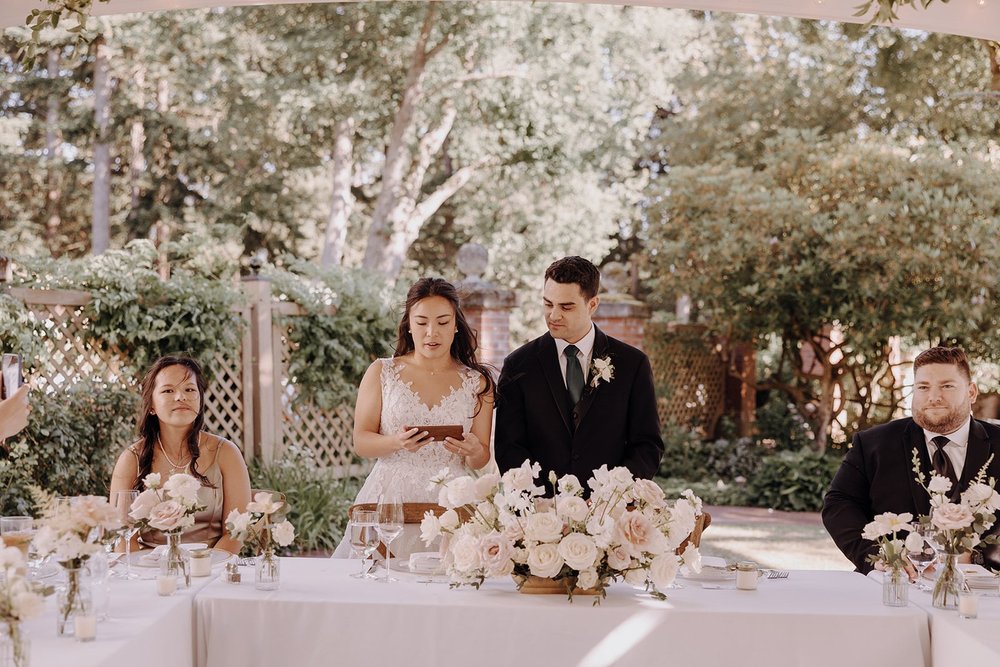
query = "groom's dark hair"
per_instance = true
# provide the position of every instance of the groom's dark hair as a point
(576, 270)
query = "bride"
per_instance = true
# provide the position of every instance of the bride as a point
(432, 379)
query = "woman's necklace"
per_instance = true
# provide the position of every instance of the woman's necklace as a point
(173, 466)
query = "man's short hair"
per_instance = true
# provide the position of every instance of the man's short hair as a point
(576, 270)
(954, 356)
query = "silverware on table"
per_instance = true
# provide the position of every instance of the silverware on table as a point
(777, 574)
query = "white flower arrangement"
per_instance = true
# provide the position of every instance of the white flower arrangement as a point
(71, 531)
(168, 507)
(601, 370)
(259, 525)
(884, 530)
(20, 599)
(627, 530)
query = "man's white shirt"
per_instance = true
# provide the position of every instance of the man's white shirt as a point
(586, 347)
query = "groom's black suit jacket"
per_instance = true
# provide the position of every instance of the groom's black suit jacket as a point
(877, 476)
(614, 423)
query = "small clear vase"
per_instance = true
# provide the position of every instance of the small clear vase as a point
(268, 573)
(15, 645)
(948, 584)
(74, 598)
(895, 588)
(175, 561)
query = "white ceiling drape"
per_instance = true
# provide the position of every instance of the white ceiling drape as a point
(973, 18)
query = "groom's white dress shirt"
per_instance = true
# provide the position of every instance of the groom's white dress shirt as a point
(586, 347)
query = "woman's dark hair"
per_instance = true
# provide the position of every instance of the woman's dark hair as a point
(148, 424)
(463, 347)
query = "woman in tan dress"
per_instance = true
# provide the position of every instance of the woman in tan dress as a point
(171, 440)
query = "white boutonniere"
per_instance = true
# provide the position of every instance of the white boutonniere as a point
(601, 370)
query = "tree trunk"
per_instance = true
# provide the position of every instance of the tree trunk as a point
(342, 202)
(53, 159)
(993, 49)
(101, 208)
(137, 145)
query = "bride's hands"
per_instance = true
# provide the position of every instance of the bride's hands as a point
(470, 445)
(411, 440)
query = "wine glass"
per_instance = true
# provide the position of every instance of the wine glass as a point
(390, 525)
(362, 531)
(926, 555)
(122, 502)
(17, 531)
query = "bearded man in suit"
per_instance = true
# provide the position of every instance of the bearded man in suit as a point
(877, 474)
(575, 399)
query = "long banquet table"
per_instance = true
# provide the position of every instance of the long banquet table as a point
(961, 642)
(321, 616)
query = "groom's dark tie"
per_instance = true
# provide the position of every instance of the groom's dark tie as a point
(574, 373)
(942, 464)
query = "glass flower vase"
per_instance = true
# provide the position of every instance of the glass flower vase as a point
(268, 573)
(73, 599)
(948, 584)
(15, 645)
(175, 561)
(895, 587)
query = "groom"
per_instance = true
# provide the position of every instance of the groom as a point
(575, 399)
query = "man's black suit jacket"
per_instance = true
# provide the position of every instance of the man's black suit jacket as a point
(877, 476)
(614, 423)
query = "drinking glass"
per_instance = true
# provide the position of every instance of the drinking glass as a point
(17, 531)
(927, 554)
(122, 502)
(362, 531)
(390, 525)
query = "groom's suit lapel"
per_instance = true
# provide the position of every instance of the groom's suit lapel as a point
(549, 361)
(589, 390)
(913, 439)
(976, 454)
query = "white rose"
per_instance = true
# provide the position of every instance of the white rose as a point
(649, 492)
(544, 560)
(586, 579)
(544, 527)
(183, 488)
(692, 559)
(430, 528)
(638, 534)
(240, 522)
(939, 484)
(465, 554)
(486, 484)
(663, 571)
(914, 542)
(572, 508)
(570, 485)
(141, 506)
(168, 516)
(952, 517)
(460, 491)
(151, 481)
(488, 511)
(636, 577)
(497, 555)
(283, 533)
(578, 550)
(618, 557)
(449, 520)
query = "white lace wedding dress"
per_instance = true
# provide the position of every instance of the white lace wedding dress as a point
(410, 472)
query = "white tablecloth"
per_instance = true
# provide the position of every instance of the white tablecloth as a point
(961, 642)
(320, 616)
(143, 628)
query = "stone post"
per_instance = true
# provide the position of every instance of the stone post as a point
(619, 315)
(486, 306)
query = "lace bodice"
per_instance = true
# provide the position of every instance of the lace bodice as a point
(401, 406)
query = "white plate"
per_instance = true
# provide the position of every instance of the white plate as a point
(709, 575)
(151, 559)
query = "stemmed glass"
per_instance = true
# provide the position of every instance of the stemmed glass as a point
(122, 502)
(362, 530)
(927, 554)
(17, 531)
(390, 525)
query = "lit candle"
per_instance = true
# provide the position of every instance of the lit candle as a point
(746, 576)
(85, 627)
(166, 584)
(968, 605)
(201, 563)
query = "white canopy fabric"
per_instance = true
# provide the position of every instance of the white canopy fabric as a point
(973, 18)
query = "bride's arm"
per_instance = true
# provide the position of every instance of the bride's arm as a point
(368, 442)
(475, 447)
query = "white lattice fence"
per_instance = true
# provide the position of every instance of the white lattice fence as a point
(224, 400)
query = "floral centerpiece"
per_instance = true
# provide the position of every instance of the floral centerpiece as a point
(627, 530)
(958, 526)
(70, 532)
(885, 531)
(263, 526)
(19, 600)
(169, 507)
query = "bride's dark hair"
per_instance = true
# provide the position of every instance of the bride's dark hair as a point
(463, 347)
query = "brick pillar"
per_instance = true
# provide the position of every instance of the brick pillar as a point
(623, 318)
(486, 306)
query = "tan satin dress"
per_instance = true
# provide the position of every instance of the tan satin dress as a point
(208, 523)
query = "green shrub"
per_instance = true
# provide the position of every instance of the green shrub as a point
(686, 456)
(317, 500)
(793, 481)
(780, 425)
(711, 493)
(70, 445)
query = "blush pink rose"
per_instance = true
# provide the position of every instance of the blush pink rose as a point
(952, 517)
(168, 516)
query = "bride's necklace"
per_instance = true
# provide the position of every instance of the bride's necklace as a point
(173, 466)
